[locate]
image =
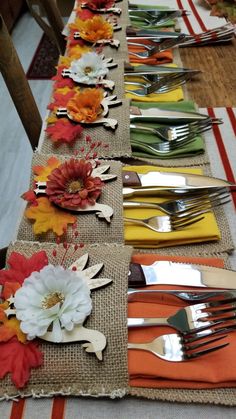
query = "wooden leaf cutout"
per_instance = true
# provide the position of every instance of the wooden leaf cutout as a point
(80, 263)
(95, 283)
(92, 270)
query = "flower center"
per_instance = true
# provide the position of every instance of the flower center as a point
(74, 186)
(87, 70)
(52, 299)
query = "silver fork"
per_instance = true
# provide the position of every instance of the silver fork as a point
(222, 33)
(166, 223)
(194, 318)
(163, 148)
(164, 45)
(154, 19)
(174, 132)
(165, 84)
(177, 348)
(185, 206)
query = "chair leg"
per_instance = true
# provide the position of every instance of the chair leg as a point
(18, 86)
(3, 253)
(55, 21)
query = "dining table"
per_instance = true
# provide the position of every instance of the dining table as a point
(70, 382)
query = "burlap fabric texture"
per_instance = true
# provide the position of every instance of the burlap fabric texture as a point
(117, 141)
(67, 368)
(91, 228)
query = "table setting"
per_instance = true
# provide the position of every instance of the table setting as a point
(119, 282)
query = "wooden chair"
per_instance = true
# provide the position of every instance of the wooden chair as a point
(3, 253)
(18, 86)
(55, 23)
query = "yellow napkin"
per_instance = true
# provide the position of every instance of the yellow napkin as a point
(173, 96)
(139, 236)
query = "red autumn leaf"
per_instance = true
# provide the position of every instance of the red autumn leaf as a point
(17, 359)
(9, 289)
(61, 81)
(60, 100)
(84, 14)
(21, 267)
(30, 196)
(64, 131)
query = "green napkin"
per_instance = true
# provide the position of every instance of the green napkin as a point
(143, 25)
(140, 140)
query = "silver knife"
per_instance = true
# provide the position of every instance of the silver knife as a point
(164, 115)
(172, 273)
(171, 180)
(149, 33)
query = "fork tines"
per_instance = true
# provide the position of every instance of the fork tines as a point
(190, 348)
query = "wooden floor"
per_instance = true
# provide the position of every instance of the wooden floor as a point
(216, 86)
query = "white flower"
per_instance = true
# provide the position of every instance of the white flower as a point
(53, 297)
(88, 69)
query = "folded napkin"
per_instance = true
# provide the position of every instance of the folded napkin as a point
(156, 59)
(142, 237)
(174, 96)
(140, 140)
(147, 370)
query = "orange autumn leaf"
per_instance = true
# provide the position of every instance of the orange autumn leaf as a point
(93, 30)
(44, 171)
(48, 217)
(77, 51)
(10, 289)
(86, 105)
(10, 327)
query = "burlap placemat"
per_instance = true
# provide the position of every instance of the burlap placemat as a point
(221, 396)
(91, 228)
(67, 368)
(118, 141)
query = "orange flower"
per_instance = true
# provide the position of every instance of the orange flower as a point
(86, 106)
(48, 217)
(93, 30)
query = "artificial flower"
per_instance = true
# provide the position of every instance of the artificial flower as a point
(86, 106)
(71, 185)
(48, 217)
(20, 267)
(64, 131)
(93, 30)
(89, 68)
(55, 297)
(18, 359)
(100, 4)
(42, 172)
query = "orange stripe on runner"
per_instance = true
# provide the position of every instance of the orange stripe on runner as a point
(17, 410)
(185, 18)
(58, 408)
(197, 16)
(232, 118)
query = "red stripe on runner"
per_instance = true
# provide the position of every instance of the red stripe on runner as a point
(185, 18)
(17, 409)
(232, 118)
(197, 16)
(58, 408)
(223, 153)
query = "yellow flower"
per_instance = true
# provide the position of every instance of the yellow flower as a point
(93, 30)
(86, 106)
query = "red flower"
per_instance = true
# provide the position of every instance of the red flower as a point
(21, 267)
(71, 185)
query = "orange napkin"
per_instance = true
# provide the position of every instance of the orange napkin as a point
(147, 370)
(158, 58)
